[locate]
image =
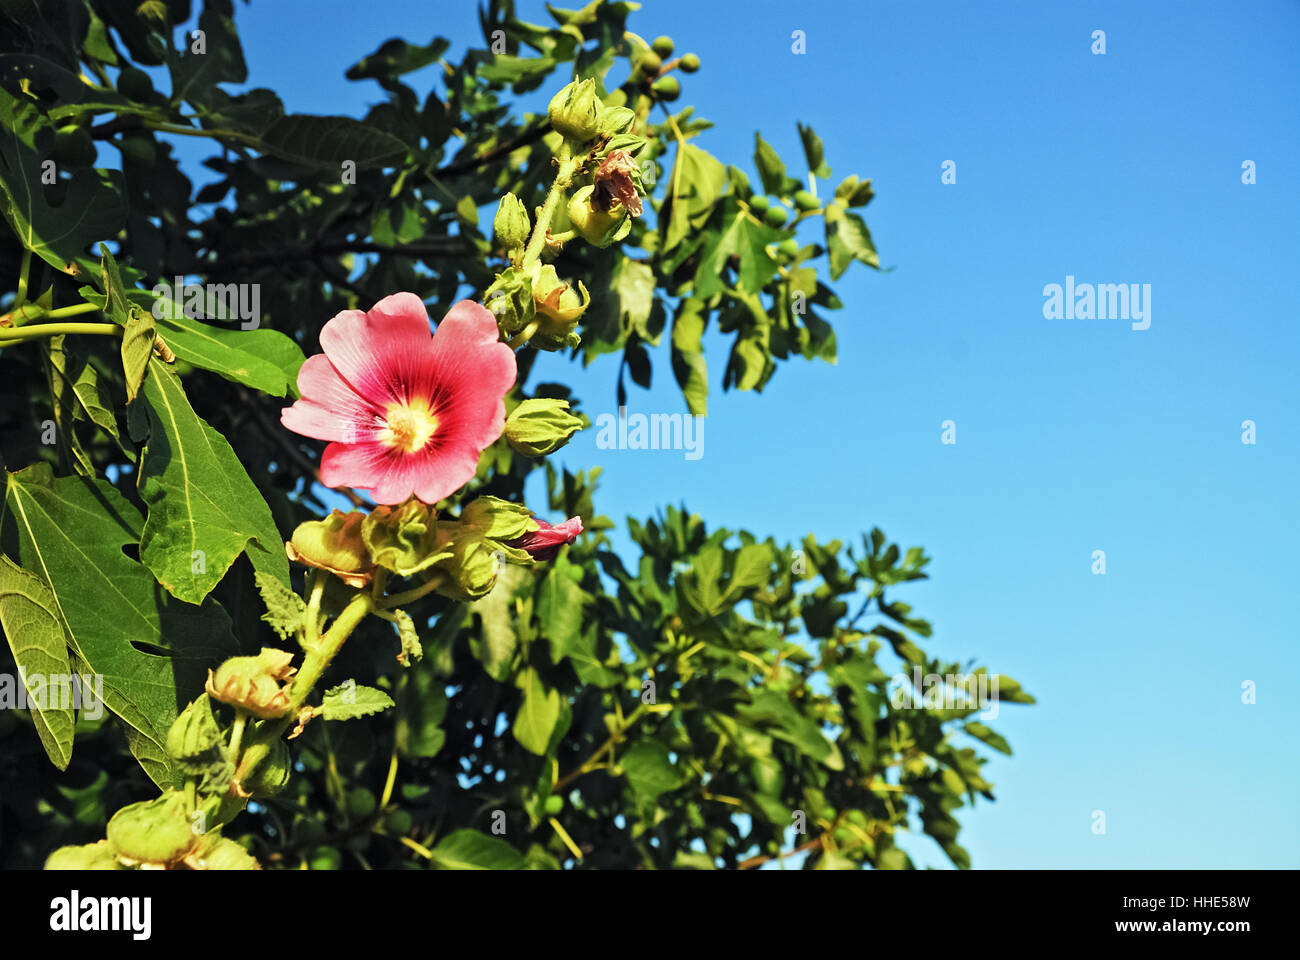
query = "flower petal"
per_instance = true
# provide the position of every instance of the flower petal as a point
(329, 408)
(381, 353)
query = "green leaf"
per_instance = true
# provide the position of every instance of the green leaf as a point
(152, 651)
(496, 642)
(780, 718)
(743, 237)
(693, 188)
(29, 615)
(412, 650)
(471, 850)
(981, 731)
(92, 207)
(560, 602)
(285, 611)
(813, 152)
(689, 367)
(396, 57)
(328, 142)
(351, 700)
(538, 713)
(848, 239)
(204, 511)
(649, 770)
(771, 170)
(422, 705)
(265, 360)
(137, 348)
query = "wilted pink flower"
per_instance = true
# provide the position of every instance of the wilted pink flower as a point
(408, 412)
(545, 542)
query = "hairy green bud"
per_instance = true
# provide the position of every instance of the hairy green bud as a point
(511, 224)
(574, 111)
(540, 426)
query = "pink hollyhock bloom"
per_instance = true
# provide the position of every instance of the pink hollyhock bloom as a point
(408, 412)
(545, 542)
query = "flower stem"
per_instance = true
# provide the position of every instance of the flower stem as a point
(563, 177)
(38, 330)
(22, 278)
(415, 593)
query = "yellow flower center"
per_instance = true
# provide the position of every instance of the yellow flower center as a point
(409, 426)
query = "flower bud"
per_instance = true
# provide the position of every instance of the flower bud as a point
(334, 544)
(497, 519)
(473, 566)
(271, 775)
(194, 733)
(403, 539)
(663, 46)
(689, 63)
(155, 832)
(510, 298)
(254, 683)
(616, 120)
(92, 856)
(511, 224)
(574, 111)
(220, 853)
(540, 426)
(558, 308)
(600, 228)
(545, 542)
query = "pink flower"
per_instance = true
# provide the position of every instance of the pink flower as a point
(545, 542)
(408, 413)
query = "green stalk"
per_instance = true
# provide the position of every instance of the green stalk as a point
(563, 178)
(38, 330)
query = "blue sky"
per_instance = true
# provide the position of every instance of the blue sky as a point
(1072, 435)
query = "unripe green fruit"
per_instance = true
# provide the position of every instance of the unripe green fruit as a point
(134, 84)
(325, 858)
(397, 823)
(663, 46)
(667, 89)
(789, 247)
(774, 216)
(155, 831)
(805, 200)
(650, 63)
(139, 149)
(361, 803)
(554, 805)
(73, 147)
(689, 63)
(759, 202)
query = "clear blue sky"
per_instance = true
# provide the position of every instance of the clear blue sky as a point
(1072, 435)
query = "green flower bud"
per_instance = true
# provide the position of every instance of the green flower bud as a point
(557, 303)
(496, 518)
(220, 853)
(270, 776)
(650, 63)
(403, 539)
(663, 46)
(689, 63)
(510, 298)
(472, 568)
(334, 544)
(574, 111)
(254, 683)
(666, 89)
(600, 228)
(616, 120)
(511, 225)
(804, 200)
(759, 202)
(540, 426)
(93, 856)
(789, 246)
(156, 832)
(194, 733)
